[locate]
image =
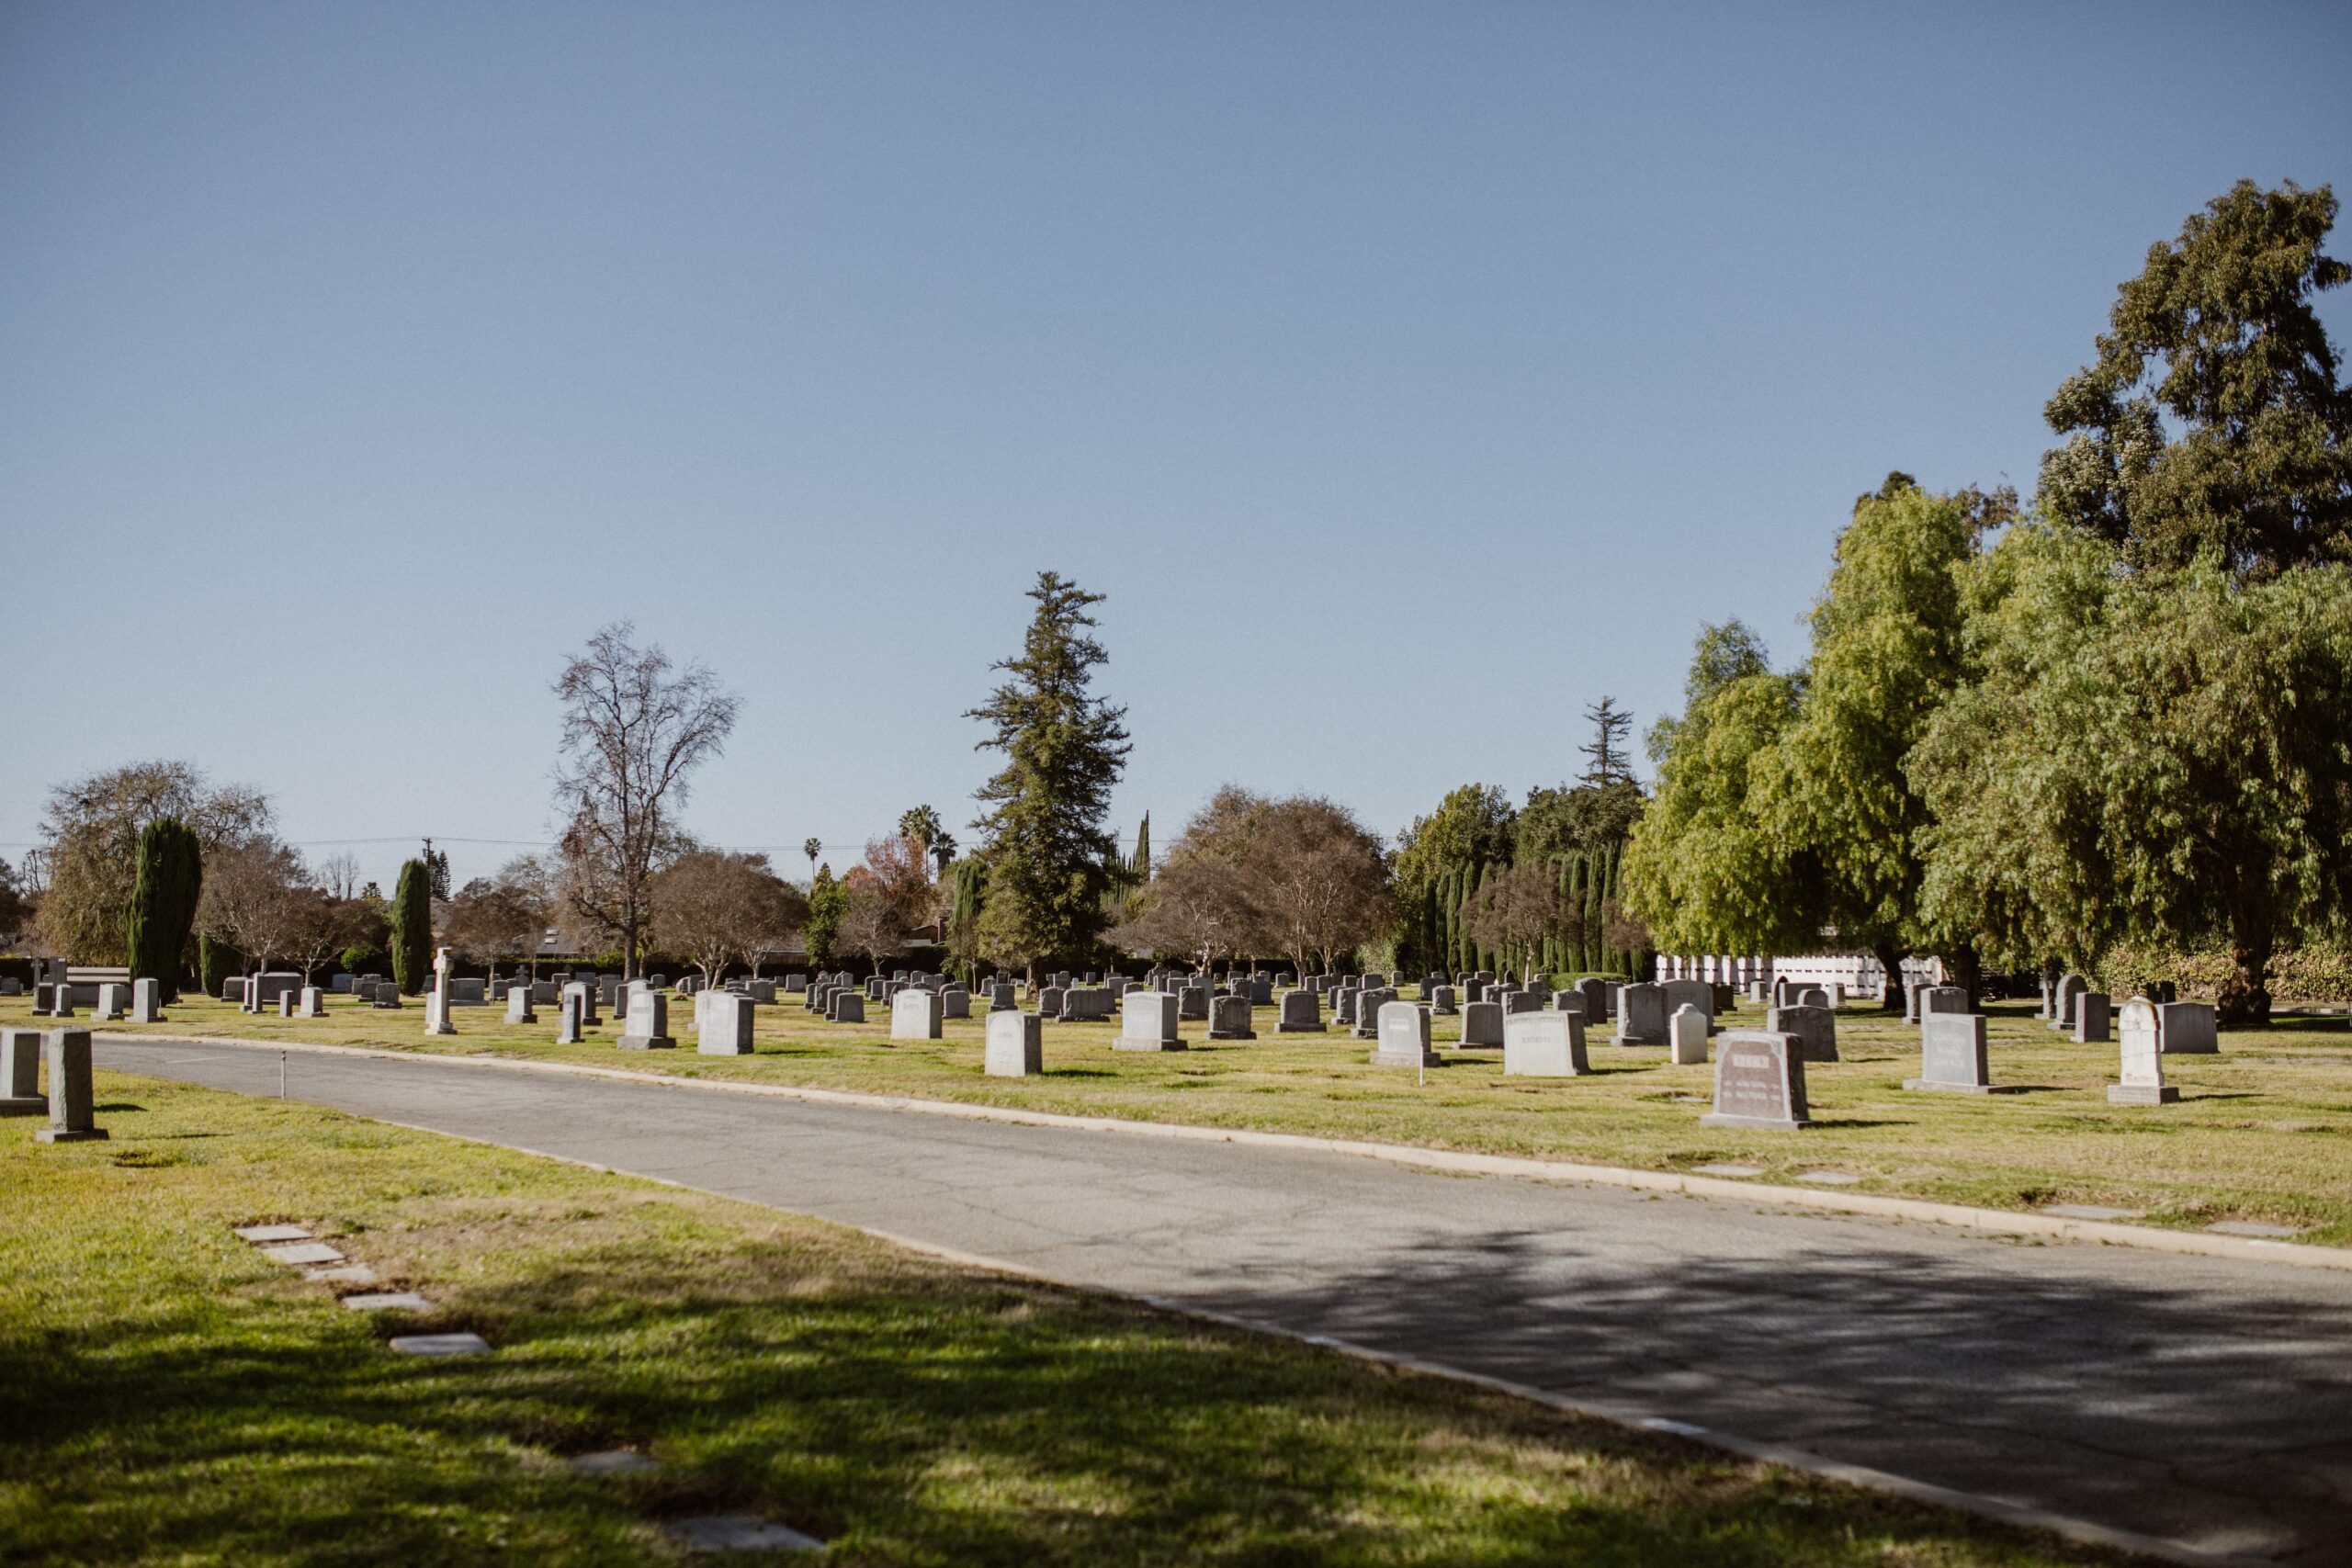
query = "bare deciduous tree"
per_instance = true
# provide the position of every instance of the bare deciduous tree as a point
(633, 732)
(871, 925)
(257, 899)
(713, 908)
(1198, 906)
(339, 876)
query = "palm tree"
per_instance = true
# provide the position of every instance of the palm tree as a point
(812, 848)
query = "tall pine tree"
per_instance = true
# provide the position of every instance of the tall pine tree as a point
(412, 927)
(1048, 853)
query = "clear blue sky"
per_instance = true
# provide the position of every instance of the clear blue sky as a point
(1408, 376)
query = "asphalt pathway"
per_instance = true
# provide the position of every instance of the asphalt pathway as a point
(2204, 1401)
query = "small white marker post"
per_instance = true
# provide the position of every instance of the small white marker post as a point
(281, 1075)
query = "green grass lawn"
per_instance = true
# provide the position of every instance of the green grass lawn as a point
(2264, 1132)
(169, 1395)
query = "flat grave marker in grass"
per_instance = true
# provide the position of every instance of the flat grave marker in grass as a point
(302, 1254)
(435, 1345)
(388, 1300)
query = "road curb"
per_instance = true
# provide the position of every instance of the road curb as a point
(1994, 1222)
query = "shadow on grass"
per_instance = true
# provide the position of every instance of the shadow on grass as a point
(906, 1415)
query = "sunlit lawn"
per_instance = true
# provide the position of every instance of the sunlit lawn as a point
(168, 1395)
(2264, 1130)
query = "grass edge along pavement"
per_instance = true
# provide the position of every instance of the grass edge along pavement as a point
(1453, 1161)
(2260, 1136)
(171, 1395)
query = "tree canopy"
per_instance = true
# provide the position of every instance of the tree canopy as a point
(2212, 422)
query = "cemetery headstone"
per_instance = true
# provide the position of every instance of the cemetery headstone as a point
(1482, 1024)
(1676, 994)
(1759, 1081)
(2092, 1018)
(1148, 1022)
(20, 1093)
(436, 1000)
(1368, 1006)
(1544, 1044)
(147, 1001)
(846, 1006)
(1443, 1000)
(518, 1005)
(1687, 1037)
(1302, 1012)
(1595, 991)
(586, 994)
(1942, 999)
(2185, 1029)
(1402, 1032)
(1086, 1004)
(1192, 1003)
(2139, 1036)
(724, 1026)
(285, 1004)
(1001, 998)
(73, 1117)
(569, 1025)
(1343, 1005)
(1229, 1018)
(954, 1002)
(1015, 1045)
(2070, 986)
(1814, 1026)
(1641, 1015)
(111, 1003)
(914, 1015)
(386, 995)
(1953, 1056)
(61, 1001)
(647, 1026)
(1049, 1001)
(311, 1004)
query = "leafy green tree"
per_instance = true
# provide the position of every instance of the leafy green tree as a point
(967, 884)
(412, 927)
(1704, 870)
(1886, 656)
(2155, 758)
(1048, 853)
(167, 883)
(2212, 419)
(1470, 829)
(828, 902)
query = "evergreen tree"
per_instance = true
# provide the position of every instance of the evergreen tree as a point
(169, 877)
(1049, 854)
(412, 927)
(1140, 868)
(828, 902)
(215, 961)
(2212, 423)
(1607, 762)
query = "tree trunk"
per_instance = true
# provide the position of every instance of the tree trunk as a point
(1890, 959)
(1967, 970)
(2245, 998)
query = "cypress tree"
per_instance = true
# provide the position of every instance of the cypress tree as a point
(412, 927)
(1590, 902)
(162, 903)
(215, 961)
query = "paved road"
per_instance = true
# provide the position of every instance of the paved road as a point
(2201, 1400)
